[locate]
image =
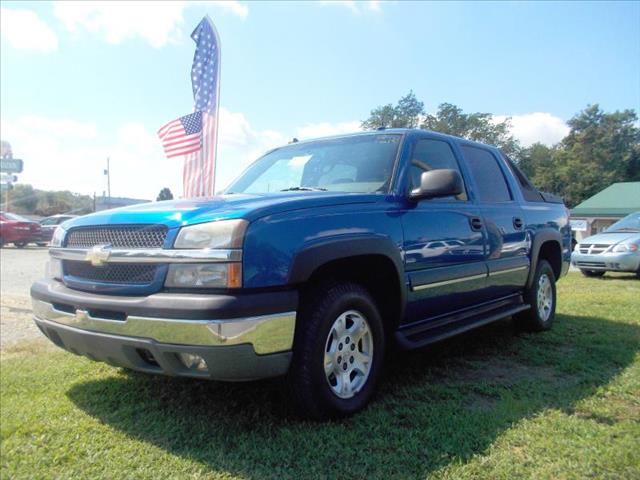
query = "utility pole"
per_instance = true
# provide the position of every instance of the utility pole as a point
(107, 172)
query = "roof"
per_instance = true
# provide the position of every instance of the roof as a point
(618, 199)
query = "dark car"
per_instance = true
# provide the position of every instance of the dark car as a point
(49, 226)
(316, 260)
(19, 230)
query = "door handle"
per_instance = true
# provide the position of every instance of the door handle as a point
(517, 223)
(476, 223)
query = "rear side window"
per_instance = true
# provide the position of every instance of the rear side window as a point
(433, 155)
(529, 192)
(490, 182)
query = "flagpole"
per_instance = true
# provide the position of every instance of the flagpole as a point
(219, 53)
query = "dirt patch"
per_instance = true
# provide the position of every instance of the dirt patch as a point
(16, 322)
(498, 371)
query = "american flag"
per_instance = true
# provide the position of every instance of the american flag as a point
(198, 142)
(182, 135)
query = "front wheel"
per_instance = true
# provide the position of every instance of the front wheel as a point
(338, 352)
(592, 273)
(42, 244)
(541, 296)
(20, 244)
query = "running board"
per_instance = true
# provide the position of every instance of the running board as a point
(426, 333)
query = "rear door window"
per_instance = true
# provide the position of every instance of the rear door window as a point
(491, 185)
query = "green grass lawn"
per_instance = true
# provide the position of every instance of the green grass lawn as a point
(494, 403)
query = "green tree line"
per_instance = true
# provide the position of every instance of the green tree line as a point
(601, 147)
(25, 199)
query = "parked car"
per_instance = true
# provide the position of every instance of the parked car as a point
(18, 230)
(617, 249)
(50, 224)
(300, 268)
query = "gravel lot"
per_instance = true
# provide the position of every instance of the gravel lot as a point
(19, 268)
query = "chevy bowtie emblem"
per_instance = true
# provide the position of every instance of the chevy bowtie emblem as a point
(99, 254)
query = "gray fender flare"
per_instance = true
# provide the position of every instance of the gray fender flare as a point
(539, 238)
(312, 257)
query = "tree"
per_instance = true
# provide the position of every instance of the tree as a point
(600, 149)
(406, 114)
(450, 119)
(165, 194)
(479, 127)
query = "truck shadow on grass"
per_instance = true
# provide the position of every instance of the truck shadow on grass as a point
(435, 406)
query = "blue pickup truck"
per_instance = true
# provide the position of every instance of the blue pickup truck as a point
(313, 263)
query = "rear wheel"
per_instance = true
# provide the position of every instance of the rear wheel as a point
(542, 298)
(20, 244)
(338, 352)
(592, 273)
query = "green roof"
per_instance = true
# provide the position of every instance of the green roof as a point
(619, 199)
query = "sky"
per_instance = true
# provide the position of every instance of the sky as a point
(83, 81)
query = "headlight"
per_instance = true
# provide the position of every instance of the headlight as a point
(221, 234)
(625, 247)
(58, 237)
(204, 275)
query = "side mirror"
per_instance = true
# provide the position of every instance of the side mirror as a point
(438, 183)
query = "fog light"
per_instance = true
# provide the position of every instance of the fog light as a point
(54, 269)
(193, 362)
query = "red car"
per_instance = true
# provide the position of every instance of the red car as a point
(19, 230)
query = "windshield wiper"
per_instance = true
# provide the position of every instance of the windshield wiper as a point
(304, 189)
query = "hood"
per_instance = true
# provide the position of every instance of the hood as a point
(611, 238)
(177, 213)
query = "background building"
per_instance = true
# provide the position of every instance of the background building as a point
(605, 208)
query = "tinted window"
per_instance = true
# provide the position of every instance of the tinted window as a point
(490, 182)
(529, 192)
(432, 155)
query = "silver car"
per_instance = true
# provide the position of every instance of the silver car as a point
(617, 249)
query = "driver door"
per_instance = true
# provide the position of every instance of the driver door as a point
(444, 241)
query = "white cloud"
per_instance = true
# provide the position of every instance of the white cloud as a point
(233, 6)
(158, 23)
(24, 29)
(355, 6)
(326, 129)
(65, 154)
(541, 127)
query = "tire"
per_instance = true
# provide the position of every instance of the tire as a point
(320, 343)
(19, 244)
(542, 298)
(42, 244)
(592, 273)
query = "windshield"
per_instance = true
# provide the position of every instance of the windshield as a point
(359, 164)
(630, 223)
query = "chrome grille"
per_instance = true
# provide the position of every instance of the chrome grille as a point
(121, 273)
(139, 236)
(591, 264)
(593, 248)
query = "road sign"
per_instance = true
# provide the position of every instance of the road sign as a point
(11, 165)
(578, 225)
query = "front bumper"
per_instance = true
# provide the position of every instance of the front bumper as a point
(619, 262)
(239, 337)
